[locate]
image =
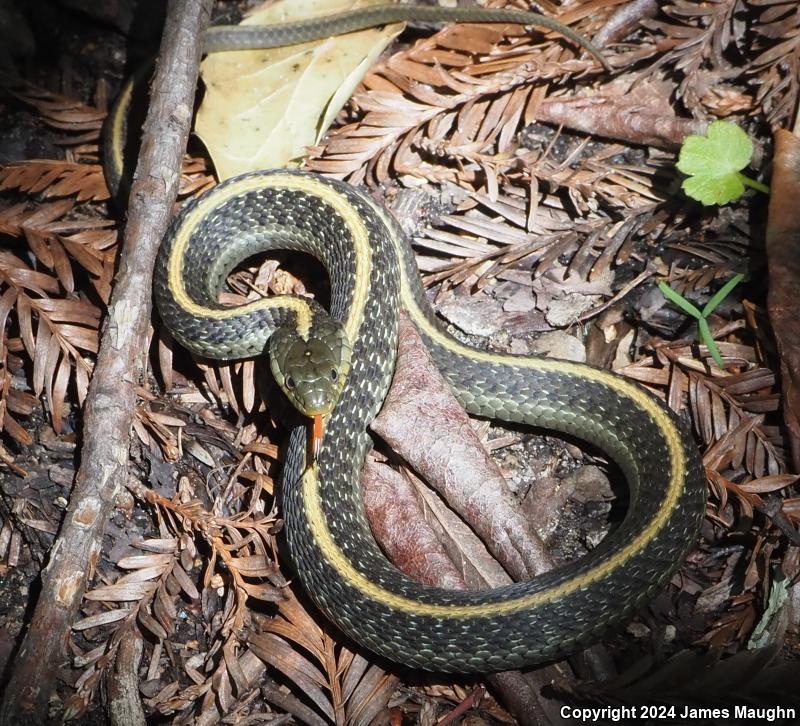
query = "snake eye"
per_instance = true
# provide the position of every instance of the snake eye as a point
(334, 374)
(290, 383)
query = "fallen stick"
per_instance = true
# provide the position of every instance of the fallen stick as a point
(120, 367)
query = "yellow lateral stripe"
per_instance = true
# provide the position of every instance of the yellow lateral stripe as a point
(310, 483)
(116, 139)
(373, 591)
(309, 185)
(339, 561)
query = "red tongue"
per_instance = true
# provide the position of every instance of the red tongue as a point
(317, 429)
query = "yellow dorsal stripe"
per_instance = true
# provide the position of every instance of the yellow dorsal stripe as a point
(373, 591)
(677, 466)
(307, 184)
(310, 482)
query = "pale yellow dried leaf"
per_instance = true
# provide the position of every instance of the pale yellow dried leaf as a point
(157, 545)
(263, 108)
(135, 562)
(104, 618)
(124, 592)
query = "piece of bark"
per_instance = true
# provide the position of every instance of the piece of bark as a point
(423, 423)
(617, 118)
(783, 260)
(124, 702)
(399, 524)
(120, 366)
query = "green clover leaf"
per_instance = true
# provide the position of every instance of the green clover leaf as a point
(713, 163)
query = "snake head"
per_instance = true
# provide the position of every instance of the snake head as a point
(311, 370)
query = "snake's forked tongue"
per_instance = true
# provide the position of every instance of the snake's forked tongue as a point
(317, 430)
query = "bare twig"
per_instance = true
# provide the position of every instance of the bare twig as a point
(782, 247)
(617, 118)
(124, 701)
(120, 363)
(624, 21)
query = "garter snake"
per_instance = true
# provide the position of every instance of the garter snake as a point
(349, 363)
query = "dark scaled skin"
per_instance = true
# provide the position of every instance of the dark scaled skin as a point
(293, 216)
(328, 536)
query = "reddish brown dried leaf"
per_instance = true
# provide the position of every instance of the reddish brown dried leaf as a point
(277, 653)
(14, 430)
(58, 393)
(85, 182)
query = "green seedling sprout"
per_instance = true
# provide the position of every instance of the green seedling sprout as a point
(713, 162)
(702, 315)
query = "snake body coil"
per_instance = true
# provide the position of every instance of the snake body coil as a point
(372, 273)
